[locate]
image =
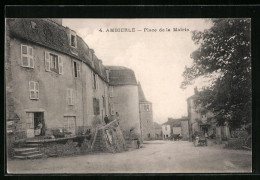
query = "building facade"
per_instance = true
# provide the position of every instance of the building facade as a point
(201, 120)
(146, 116)
(54, 79)
(174, 127)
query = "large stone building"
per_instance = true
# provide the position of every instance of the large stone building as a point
(54, 78)
(146, 116)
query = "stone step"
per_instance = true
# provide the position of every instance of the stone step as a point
(20, 157)
(35, 156)
(31, 145)
(30, 153)
(24, 149)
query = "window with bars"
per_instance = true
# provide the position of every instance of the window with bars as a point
(27, 56)
(34, 90)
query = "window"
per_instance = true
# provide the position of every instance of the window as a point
(70, 124)
(70, 97)
(104, 102)
(96, 106)
(76, 69)
(73, 39)
(34, 90)
(111, 91)
(94, 80)
(146, 107)
(27, 56)
(53, 63)
(112, 111)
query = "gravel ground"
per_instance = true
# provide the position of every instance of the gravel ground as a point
(153, 157)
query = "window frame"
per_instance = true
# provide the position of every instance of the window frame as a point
(34, 90)
(28, 56)
(96, 106)
(76, 69)
(72, 33)
(47, 57)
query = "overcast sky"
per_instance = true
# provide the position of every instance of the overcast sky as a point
(158, 58)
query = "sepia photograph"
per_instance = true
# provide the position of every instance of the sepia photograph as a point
(128, 95)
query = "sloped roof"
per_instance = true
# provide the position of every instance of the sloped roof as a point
(119, 75)
(174, 122)
(53, 36)
(141, 94)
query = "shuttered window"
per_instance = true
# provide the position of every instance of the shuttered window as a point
(94, 77)
(27, 56)
(53, 63)
(96, 106)
(34, 90)
(70, 97)
(76, 69)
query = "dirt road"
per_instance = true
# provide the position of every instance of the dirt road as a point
(153, 157)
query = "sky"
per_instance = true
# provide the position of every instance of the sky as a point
(157, 58)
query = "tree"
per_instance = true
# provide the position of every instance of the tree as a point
(223, 56)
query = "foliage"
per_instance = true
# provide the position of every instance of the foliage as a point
(224, 57)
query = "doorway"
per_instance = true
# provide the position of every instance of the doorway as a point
(35, 124)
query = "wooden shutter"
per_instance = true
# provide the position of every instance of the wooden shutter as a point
(97, 82)
(32, 89)
(30, 57)
(60, 65)
(36, 90)
(24, 56)
(47, 61)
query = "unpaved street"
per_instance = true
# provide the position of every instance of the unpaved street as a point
(153, 157)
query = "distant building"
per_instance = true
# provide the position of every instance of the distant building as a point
(158, 131)
(146, 116)
(202, 120)
(175, 126)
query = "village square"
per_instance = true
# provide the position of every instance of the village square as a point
(67, 111)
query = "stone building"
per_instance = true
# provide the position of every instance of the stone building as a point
(146, 116)
(54, 78)
(123, 98)
(175, 126)
(202, 120)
